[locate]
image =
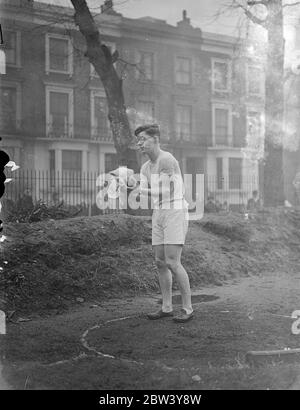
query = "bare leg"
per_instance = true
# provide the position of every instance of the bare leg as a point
(173, 261)
(165, 278)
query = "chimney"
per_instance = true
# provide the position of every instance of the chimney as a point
(184, 18)
(185, 25)
(185, 22)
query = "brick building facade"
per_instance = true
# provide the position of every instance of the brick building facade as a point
(204, 92)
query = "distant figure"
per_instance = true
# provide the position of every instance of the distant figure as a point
(211, 205)
(225, 206)
(218, 205)
(55, 198)
(254, 203)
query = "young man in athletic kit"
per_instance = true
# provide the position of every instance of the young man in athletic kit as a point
(161, 178)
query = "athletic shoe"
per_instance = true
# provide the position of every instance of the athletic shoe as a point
(159, 315)
(183, 317)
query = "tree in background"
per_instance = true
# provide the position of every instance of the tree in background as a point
(100, 56)
(269, 14)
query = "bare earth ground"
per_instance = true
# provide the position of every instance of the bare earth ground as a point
(206, 353)
(111, 345)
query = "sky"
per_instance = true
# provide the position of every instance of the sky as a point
(201, 12)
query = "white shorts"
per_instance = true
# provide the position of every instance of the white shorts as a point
(169, 226)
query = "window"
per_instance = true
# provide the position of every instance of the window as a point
(145, 112)
(111, 162)
(71, 168)
(12, 47)
(221, 130)
(145, 71)
(254, 124)
(100, 114)
(255, 132)
(183, 71)
(99, 120)
(221, 80)
(59, 112)
(183, 122)
(255, 81)
(235, 173)
(59, 56)
(8, 108)
(59, 106)
(220, 173)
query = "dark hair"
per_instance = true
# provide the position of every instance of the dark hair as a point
(151, 129)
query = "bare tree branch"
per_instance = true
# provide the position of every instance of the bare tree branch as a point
(255, 3)
(224, 9)
(126, 63)
(297, 3)
(251, 16)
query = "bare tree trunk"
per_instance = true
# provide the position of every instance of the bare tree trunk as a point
(101, 58)
(274, 107)
(273, 180)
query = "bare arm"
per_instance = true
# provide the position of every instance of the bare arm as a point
(165, 183)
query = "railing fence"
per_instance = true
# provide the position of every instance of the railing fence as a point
(80, 189)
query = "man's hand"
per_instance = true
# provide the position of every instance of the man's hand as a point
(125, 177)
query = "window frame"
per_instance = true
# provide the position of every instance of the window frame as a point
(18, 88)
(190, 83)
(69, 56)
(260, 94)
(227, 107)
(258, 111)
(228, 62)
(97, 93)
(17, 64)
(178, 135)
(260, 138)
(62, 90)
(139, 75)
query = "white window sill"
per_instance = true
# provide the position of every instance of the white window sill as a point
(249, 95)
(215, 90)
(70, 73)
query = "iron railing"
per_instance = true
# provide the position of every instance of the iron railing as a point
(80, 188)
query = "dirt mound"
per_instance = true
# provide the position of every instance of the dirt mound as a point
(47, 265)
(233, 228)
